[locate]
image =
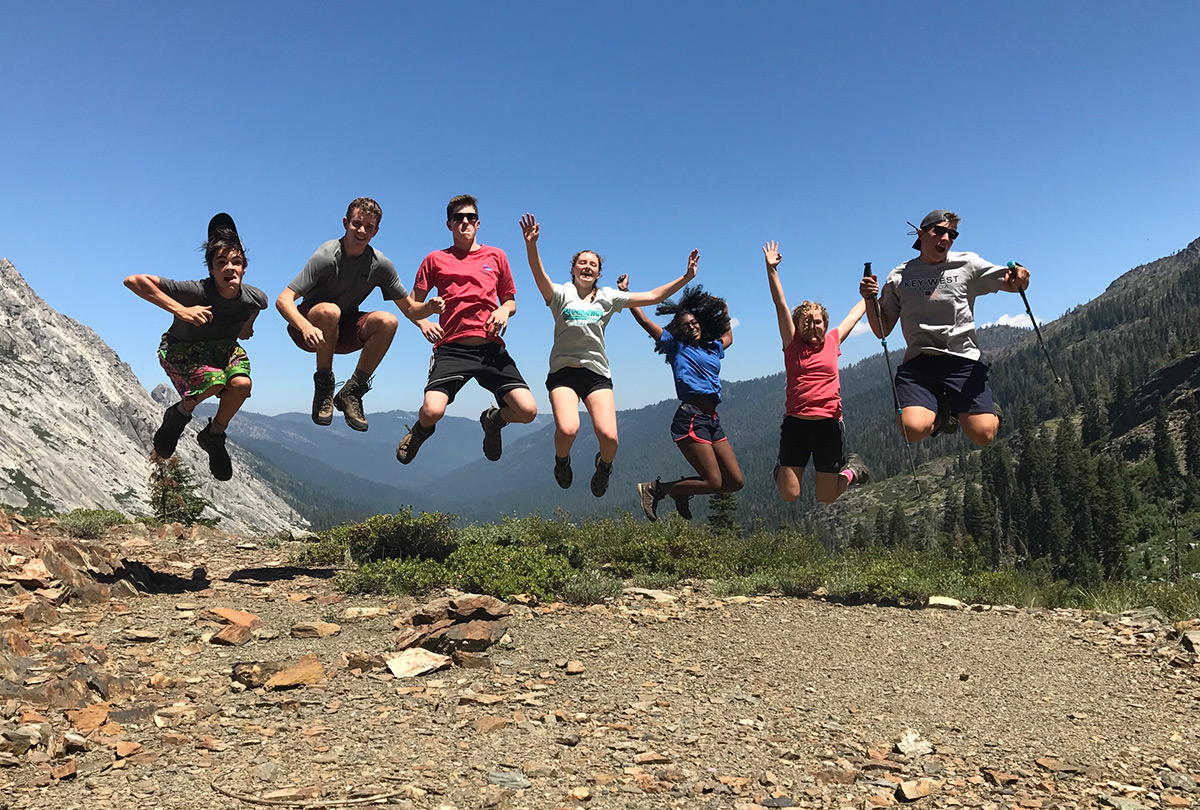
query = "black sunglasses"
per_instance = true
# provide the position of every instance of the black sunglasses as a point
(941, 230)
(461, 217)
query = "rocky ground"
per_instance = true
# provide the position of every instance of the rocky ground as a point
(115, 697)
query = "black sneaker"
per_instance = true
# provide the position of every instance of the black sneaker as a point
(406, 451)
(855, 464)
(219, 463)
(600, 476)
(166, 438)
(562, 471)
(322, 410)
(683, 505)
(649, 495)
(493, 445)
(349, 402)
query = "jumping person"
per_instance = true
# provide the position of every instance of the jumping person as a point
(578, 362)
(942, 383)
(200, 352)
(812, 424)
(694, 342)
(480, 297)
(333, 285)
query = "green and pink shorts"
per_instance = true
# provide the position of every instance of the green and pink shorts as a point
(196, 366)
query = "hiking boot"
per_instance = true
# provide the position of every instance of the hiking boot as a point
(600, 476)
(166, 438)
(683, 505)
(493, 445)
(406, 451)
(855, 464)
(349, 402)
(219, 463)
(945, 422)
(322, 412)
(562, 471)
(649, 495)
(775, 472)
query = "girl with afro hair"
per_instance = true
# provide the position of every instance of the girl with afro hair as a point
(693, 344)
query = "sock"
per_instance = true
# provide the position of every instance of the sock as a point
(496, 417)
(563, 461)
(179, 407)
(216, 428)
(849, 473)
(604, 465)
(360, 377)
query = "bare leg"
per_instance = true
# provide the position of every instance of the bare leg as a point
(518, 406)
(830, 486)
(916, 422)
(433, 408)
(704, 462)
(376, 334)
(980, 428)
(602, 407)
(326, 317)
(236, 392)
(788, 483)
(565, 405)
(731, 473)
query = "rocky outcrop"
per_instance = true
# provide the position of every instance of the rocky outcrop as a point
(77, 425)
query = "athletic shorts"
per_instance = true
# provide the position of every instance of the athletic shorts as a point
(963, 383)
(582, 381)
(692, 423)
(452, 364)
(349, 331)
(196, 366)
(824, 440)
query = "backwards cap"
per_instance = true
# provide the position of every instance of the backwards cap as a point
(932, 218)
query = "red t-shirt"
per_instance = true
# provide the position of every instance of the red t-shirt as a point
(473, 287)
(813, 388)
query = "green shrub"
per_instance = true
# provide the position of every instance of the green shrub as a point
(590, 588)
(754, 584)
(91, 523)
(330, 549)
(506, 570)
(401, 536)
(394, 576)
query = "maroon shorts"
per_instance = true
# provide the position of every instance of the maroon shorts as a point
(349, 331)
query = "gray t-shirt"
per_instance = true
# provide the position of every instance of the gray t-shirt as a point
(579, 327)
(936, 302)
(332, 277)
(229, 315)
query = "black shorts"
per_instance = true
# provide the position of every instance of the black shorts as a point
(963, 383)
(692, 423)
(824, 440)
(582, 381)
(452, 364)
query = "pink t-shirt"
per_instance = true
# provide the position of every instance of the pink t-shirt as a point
(813, 388)
(473, 286)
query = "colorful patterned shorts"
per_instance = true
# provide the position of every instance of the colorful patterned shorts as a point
(195, 367)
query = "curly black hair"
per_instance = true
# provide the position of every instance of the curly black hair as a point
(710, 312)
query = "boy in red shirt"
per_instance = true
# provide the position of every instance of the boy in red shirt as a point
(477, 286)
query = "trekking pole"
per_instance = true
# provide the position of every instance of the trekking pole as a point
(892, 378)
(1036, 331)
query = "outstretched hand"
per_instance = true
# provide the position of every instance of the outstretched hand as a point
(623, 282)
(693, 264)
(530, 228)
(772, 254)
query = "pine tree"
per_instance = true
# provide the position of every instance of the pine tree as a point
(1166, 460)
(722, 511)
(1114, 527)
(173, 495)
(899, 532)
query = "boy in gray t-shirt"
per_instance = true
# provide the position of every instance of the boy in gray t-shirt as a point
(942, 380)
(333, 285)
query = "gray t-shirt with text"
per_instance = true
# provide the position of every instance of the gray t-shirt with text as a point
(332, 277)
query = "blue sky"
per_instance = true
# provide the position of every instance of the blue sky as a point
(1064, 134)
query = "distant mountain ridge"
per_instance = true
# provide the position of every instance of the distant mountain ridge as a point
(78, 424)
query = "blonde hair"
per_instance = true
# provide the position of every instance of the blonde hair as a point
(804, 327)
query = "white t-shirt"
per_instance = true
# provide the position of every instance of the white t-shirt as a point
(579, 327)
(936, 302)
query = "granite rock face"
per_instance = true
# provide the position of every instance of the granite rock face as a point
(76, 425)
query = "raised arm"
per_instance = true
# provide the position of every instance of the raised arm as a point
(652, 329)
(869, 289)
(851, 319)
(145, 286)
(531, 230)
(787, 327)
(727, 338)
(660, 294)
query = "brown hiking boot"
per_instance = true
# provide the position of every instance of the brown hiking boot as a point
(406, 451)
(349, 402)
(649, 496)
(322, 410)
(855, 464)
(493, 444)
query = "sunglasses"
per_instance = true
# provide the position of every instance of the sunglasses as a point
(461, 217)
(942, 230)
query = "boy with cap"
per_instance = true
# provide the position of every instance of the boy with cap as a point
(941, 384)
(200, 352)
(480, 297)
(334, 283)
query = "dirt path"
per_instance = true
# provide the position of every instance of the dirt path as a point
(691, 702)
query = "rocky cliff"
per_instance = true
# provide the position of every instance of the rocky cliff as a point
(77, 424)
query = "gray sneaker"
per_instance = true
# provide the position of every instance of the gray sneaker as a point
(493, 444)
(600, 477)
(855, 464)
(406, 451)
(349, 402)
(166, 438)
(649, 496)
(562, 471)
(322, 410)
(219, 463)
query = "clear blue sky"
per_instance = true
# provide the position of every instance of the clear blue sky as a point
(1065, 134)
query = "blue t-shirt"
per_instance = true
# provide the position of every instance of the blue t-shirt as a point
(697, 368)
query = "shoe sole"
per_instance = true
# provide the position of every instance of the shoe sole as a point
(359, 425)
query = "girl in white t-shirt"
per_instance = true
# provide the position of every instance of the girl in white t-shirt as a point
(578, 362)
